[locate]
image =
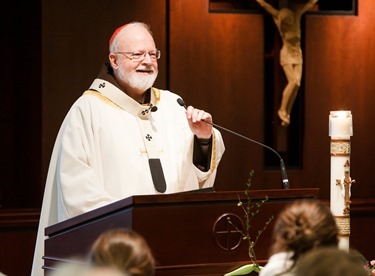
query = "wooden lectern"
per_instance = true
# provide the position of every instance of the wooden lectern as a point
(189, 233)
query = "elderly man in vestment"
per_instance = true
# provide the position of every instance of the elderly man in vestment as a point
(123, 137)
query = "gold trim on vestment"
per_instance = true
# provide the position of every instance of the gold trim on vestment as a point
(214, 152)
(108, 101)
(101, 97)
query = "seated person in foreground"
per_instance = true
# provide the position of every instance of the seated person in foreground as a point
(301, 226)
(330, 261)
(125, 250)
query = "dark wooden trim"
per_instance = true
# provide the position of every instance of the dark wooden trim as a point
(172, 199)
(19, 218)
(362, 206)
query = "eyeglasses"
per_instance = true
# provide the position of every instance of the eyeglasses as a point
(139, 56)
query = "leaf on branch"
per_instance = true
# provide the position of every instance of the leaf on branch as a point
(244, 270)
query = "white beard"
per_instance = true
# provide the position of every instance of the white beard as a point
(139, 82)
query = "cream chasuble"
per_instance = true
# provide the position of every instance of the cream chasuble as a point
(102, 154)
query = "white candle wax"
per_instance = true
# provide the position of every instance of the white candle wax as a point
(340, 124)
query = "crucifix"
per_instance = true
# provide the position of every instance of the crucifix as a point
(287, 19)
(283, 125)
(284, 82)
(284, 76)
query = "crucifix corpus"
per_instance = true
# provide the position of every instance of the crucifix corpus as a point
(288, 20)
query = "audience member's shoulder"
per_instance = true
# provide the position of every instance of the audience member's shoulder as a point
(278, 264)
(329, 261)
(76, 269)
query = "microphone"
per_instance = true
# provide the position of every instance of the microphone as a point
(153, 108)
(284, 175)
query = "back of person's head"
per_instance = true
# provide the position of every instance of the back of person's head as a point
(125, 250)
(330, 261)
(303, 225)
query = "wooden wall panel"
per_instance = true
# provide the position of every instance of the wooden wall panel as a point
(75, 45)
(362, 226)
(20, 107)
(340, 62)
(216, 64)
(17, 240)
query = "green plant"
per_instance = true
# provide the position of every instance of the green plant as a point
(250, 210)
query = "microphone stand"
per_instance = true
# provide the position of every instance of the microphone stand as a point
(284, 174)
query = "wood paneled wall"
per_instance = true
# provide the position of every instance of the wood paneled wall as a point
(340, 61)
(75, 45)
(215, 61)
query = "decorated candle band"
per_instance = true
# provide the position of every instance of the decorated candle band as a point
(340, 147)
(343, 224)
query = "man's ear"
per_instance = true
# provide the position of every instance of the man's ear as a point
(113, 60)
